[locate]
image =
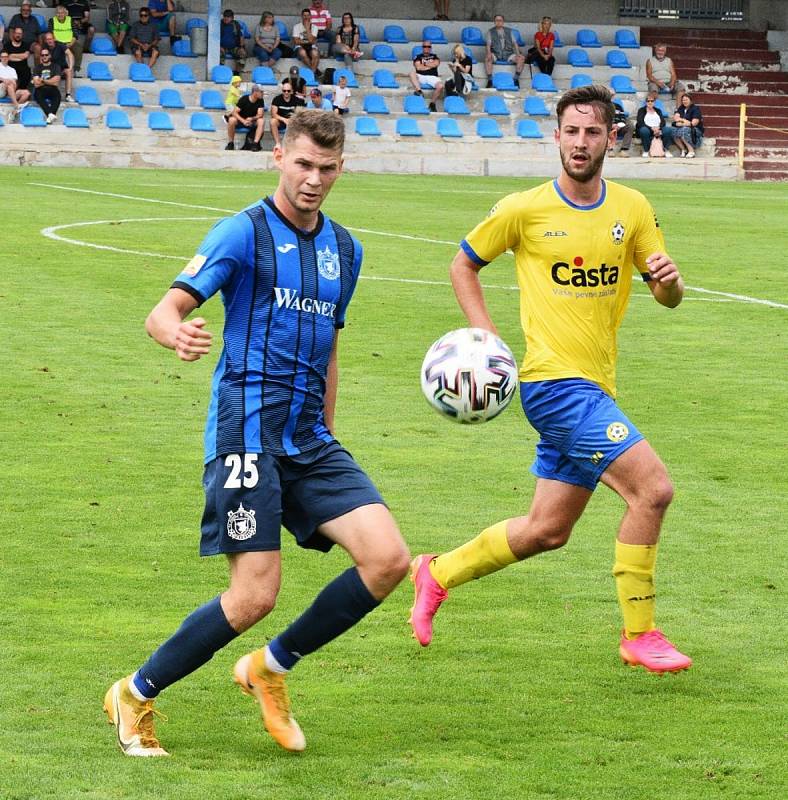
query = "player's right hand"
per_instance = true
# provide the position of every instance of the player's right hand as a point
(192, 341)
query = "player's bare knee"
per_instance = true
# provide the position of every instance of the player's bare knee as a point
(553, 538)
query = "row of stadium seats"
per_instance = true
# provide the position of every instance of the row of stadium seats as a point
(33, 117)
(447, 127)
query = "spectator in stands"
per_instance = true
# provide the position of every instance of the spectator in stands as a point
(64, 58)
(687, 128)
(541, 53)
(9, 85)
(321, 19)
(249, 113)
(29, 25)
(283, 106)
(267, 41)
(502, 46)
(66, 32)
(233, 96)
(162, 13)
(442, 10)
(651, 124)
(118, 22)
(661, 73)
(46, 85)
(316, 100)
(425, 73)
(297, 83)
(625, 129)
(305, 42)
(18, 57)
(79, 11)
(341, 99)
(346, 42)
(461, 67)
(144, 37)
(231, 42)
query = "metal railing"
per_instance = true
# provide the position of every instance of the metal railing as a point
(717, 10)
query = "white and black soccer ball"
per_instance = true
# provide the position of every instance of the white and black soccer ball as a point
(469, 375)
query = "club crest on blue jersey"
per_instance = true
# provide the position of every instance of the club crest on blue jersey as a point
(241, 524)
(328, 264)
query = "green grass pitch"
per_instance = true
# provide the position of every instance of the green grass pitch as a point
(521, 694)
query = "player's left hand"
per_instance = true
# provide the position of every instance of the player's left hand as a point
(662, 269)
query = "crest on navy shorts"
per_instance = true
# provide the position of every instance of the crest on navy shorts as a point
(617, 232)
(241, 524)
(328, 264)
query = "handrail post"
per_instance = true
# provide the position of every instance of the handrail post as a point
(742, 121)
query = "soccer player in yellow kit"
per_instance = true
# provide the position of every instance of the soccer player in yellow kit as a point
(577, 242)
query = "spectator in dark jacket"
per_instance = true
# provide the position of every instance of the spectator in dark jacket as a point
(687, 127)
(30, 28)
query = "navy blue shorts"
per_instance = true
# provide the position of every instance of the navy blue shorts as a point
(582, 430)
(249, 496)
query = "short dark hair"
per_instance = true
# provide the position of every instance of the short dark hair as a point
(325, 130)
(595, 95)
(145, 10)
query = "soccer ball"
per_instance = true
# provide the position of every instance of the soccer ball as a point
(469, 375)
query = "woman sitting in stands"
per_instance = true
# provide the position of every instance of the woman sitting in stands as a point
(687, 127)
(346, 43)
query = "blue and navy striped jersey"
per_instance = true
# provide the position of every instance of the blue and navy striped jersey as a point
(284, 292)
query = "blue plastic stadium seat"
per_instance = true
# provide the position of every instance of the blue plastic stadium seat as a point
(348, 73)
(117, 120)
(535, 107)
(456, 105)
(618, 59)
(518, 37)
(366, 126)
(245, 32)
(488, 128)
(472, 35)
(182, 73)
(99, 71)
(577, 57)
(496, 107)
(171, 98)
(129, 97)
(195, 22)
(87, 96)
(394, 34)
(528, 129)
(375, 104)
(587, 38)
(141, 73)
(416, 50)
(384, 79)
(448, 128)
(221, 74)
(622, 85)
(160, 121)
(384, 54)
(307, 75)
(434, 34)
(183, 49)
(408, 127)
(543, 83)
(503, 82)
(469, 53)
(264, 76)
(362, 34)
(2, 121)
(415, 104)
(32, 117)
(42, 21)
(284, 34)
(211, 100)
(581, 79)
(626, 40)
(75, 118)
(200, 121)
(103, 46)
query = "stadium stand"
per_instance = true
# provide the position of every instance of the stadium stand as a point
(366, 126)
(75, 118)
(457, 106)
(406, 126)
(581, 79)
(200, 121)
(375, 104)
(488, 128)
(617, 59)
(384, 79)
(87, 96)
(528, 129)
(434, 34)
(496, 107)
(141, 73)
(448, 128)
(182, 73)
(117, 119)
(99, 71)
(171, 98)
(129, 97)
(587, 38)
(160, 121)
(394, 34)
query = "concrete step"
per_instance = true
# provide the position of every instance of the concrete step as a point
(704, 37)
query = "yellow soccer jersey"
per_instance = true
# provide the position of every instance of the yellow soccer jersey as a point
(574, 269)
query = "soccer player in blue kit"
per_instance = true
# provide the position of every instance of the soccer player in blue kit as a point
(286, 273)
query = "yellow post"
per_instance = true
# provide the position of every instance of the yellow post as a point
(742, 121)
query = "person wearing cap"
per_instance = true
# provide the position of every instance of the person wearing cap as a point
(316, 100)
(233, 96)
(297, 82)
(283, 106)
(305, 42)
(231, 41)
(248, 113)
(30, 28)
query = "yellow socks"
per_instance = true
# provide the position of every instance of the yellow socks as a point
(634, 574)
(487, 553)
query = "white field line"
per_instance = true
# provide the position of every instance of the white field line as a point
(51, 233)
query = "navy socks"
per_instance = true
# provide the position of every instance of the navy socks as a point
(337, 608)
(202, 633)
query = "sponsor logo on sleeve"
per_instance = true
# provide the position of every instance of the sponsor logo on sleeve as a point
(195, 265)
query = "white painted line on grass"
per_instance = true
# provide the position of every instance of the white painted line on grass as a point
(741, 298)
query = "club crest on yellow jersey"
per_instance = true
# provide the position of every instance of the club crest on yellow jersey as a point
(617, 232)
